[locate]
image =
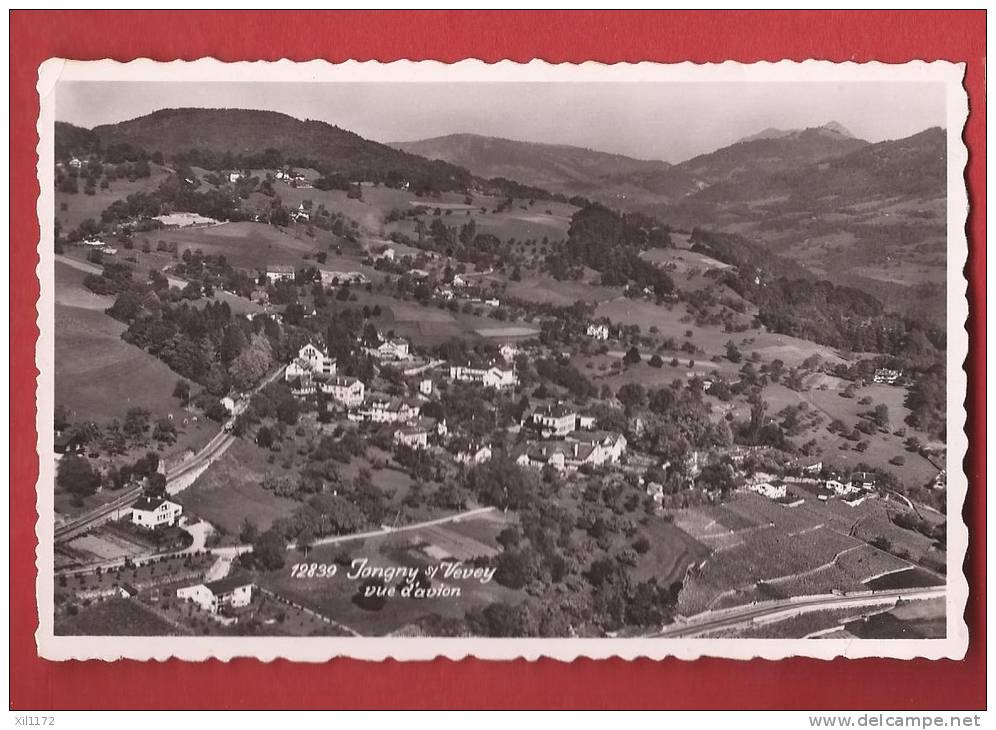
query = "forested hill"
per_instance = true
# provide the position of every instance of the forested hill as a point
(226, 138)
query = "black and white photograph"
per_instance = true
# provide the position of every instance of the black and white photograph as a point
(406, 360)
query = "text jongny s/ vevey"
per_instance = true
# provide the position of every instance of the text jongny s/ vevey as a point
(445, 570)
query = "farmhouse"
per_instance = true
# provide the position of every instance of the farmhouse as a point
(561, 455)
(767, 489)
(887, 376)
(597, 331)
(279, 272)
(331, 277)
(152, 512)
(863, 480)
(212, 597)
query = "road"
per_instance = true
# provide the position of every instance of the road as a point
(211, 451)
(731, 618)
(231, 552)
(335, 539)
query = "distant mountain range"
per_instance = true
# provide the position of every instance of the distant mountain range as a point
(771, 133)
(561, 168)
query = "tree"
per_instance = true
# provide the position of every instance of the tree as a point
(182, 391)
(656, 361)
(632, 396)
(76, 476)
(881, 415)
(264, 437)
(268, 551)
(248, 533)
(733, 353)
(632, 356)
(305, 540)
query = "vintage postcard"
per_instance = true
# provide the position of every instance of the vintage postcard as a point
(516, 360)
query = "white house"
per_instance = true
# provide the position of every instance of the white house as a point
(767, 489)
(887, 376)
(612, 445)
(331, 277)
(385, 409)
(346, 390)
(311, 360)
(508, 352)
(279, 272)
(494, 376)
(414, 437)
(425, 386)
(598, 331)
(555, 420)
(387, 253)
(393, 349)
(152, 512)
(228, 403)
(473, 455)
(212, 597)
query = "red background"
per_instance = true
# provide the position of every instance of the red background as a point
(891, 36)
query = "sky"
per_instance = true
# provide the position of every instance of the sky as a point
(660, 121)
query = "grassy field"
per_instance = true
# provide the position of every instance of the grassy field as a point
(115, 617)
(80, 206)
(99, 376)
(230, 492)
(246, 245)
(882, 447)
(333, 597)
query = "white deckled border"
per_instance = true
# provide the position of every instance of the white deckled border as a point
(311, 649)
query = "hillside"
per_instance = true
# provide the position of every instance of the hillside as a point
(562, 168)
(238, 136)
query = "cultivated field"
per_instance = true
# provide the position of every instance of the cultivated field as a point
(245, 245)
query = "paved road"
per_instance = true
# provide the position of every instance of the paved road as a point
(732, 618)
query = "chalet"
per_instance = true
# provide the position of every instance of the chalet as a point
(279, 272)
(492, 376)
(414, 437)
(216, 595)
(555, 420)
(597, 331)
(152, 512)
(311, 360)
(887, 376)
